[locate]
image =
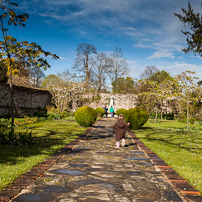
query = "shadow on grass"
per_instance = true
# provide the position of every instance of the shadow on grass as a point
(169, 139)
(43, 145)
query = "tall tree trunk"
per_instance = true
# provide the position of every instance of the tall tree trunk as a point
(161, 114)
(155, 113)
(12, 94)
(188, 113)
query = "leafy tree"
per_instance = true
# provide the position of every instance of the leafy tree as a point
(3, 72)
(25, 54)
(187, 89)
(9, 16)
(117, 67)
(84, 62)
(123, 85)
(52, 81)
(160, 76)
(194, 36)
(149, 99)
(156, 95)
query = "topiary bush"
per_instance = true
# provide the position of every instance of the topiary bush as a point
(137, 117)
(121, 111)
(100, 111)
(85, 116)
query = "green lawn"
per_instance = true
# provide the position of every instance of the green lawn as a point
(49, 137)
(180, 150)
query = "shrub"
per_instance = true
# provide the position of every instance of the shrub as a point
(41, 119)
(64, 114)
(137, 118)
(12, 138)
(121, 111)
(85, 116)
(100, 111)
(52, 110)
(5, 123)
(51, 117)
(40, 113)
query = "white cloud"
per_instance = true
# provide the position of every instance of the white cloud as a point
(177, 68)
(162, 54)
(64, 58)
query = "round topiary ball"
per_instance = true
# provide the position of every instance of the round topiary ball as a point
(121, 111)
(100, 111)
(137, 118)
(85, 116)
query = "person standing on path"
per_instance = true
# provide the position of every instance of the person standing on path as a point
(111, 110)
(106, 109)
(121, 128)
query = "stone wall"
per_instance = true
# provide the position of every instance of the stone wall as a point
(27, 100)
(126, 101)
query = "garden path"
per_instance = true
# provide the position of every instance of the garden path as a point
(95, 170)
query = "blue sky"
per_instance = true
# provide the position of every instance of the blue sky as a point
(146, 30)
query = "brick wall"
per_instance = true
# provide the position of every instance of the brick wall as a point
(27, 100)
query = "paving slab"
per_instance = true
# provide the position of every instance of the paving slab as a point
(93, 169)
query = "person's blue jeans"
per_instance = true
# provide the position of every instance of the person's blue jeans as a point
(112, 114)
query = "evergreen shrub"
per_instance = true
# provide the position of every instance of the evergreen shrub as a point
(85, 116)
(121, 111)
(100, 111)
(137, 118)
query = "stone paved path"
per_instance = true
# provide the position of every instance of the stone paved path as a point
(98, 171)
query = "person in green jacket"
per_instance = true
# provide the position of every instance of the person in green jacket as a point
(111, 110)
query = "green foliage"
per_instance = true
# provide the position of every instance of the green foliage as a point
(53, 116)
(123, 85)
(12, 138)
(41, 119)
(53, 113)
(160, 76)
(100, 111)
(194, 38)
(64, 114)
(121, 111)
(137, 118)
(5, 123)
(85, 116)
(167, 116)
(40, 113)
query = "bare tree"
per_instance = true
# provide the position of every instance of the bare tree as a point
(83, 63)
(100, 71)
(117, 67)
(37, 76)
(149, 72)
